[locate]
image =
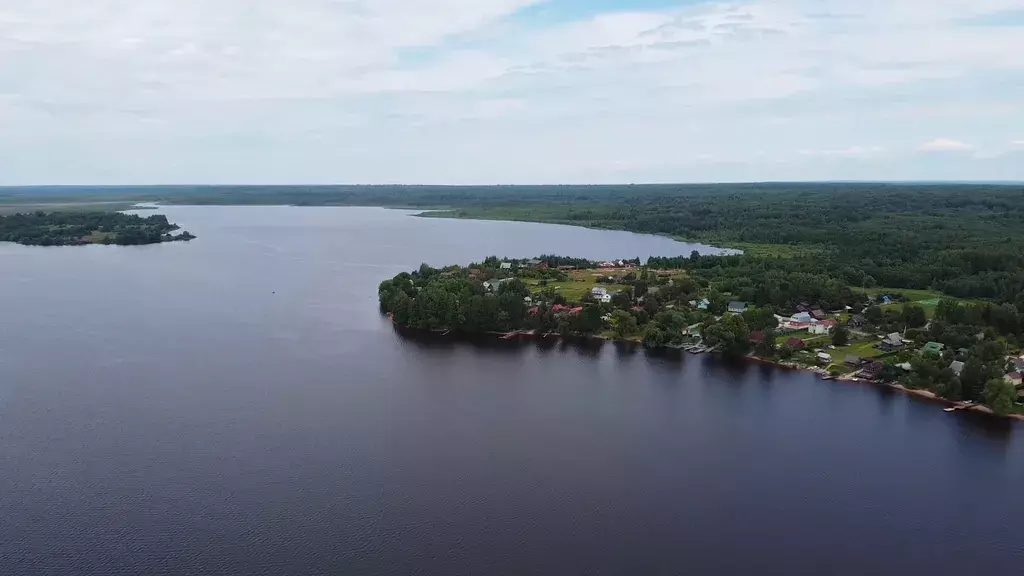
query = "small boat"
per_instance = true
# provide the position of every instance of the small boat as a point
(949, 409)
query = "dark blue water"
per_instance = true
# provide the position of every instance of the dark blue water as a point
(237, 406)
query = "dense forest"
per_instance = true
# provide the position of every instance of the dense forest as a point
(76, 228)
(960, 239)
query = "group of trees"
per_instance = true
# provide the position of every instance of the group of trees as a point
(72, 228)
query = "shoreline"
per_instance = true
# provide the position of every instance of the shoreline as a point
(925, 395)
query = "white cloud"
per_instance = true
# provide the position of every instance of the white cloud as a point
(475, 91)
(945, 145)
(1017, 144)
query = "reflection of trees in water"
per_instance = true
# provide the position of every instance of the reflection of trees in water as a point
(998, 431)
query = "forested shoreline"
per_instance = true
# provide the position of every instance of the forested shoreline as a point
(78, 228)
(956, 350)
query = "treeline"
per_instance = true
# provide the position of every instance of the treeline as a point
(963, 240)
(75, 228)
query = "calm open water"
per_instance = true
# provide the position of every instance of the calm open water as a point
(237, 406)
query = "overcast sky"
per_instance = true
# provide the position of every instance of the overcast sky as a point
(509, 91)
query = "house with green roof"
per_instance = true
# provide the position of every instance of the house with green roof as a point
(932, 349)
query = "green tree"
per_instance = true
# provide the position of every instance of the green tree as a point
(625, 324)
(654, 336)
(767, 348)
(841, 336)
(1000, 396)
(760, 319)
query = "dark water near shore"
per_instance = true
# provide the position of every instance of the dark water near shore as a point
(237, 406)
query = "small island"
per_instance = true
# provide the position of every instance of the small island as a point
(965, 353)
(80, 228)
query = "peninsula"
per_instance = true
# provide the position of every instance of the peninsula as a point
(78, 228)
(959, 350)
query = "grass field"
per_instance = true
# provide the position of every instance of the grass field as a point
(865, 350)
(583, 281)
(926, 299)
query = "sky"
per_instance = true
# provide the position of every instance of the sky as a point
(509, 91)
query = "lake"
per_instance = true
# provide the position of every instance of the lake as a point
(237, 405)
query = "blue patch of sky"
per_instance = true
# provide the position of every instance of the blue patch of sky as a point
(1004, 18)
(538, 16)
(555, 12)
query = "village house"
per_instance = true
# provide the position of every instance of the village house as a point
(957, 367)
(818, 314)
(932, 349)
(852, 360)
(506, 265)
(801, 317)
(872, 371)
(892, 342)
(822, 327)
(1015, 378)
(824, 358)
(756, 338)
(737, 307)
(857, 321)
(796, 344)
(1017, 362)
(493, 285)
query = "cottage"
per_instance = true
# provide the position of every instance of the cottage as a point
(796, 344)
(703, 304)
(857, 321)
(575, 311)
(824, 358)
(822, 327)
(932, 349)
(872, 371)
(598, 292)
(801, 317)
(737, 307)
(493, 285)
(892, 342)
(527, 300)
(534, 311)
(1017, 362)
(1015, 378)
(506, 265)
(818, 314)
(559, 308)
(957, 367)
(756, 338)
(852, 360)
(534, 263)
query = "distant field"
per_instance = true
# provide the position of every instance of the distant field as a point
(927, 299)
(112, 206)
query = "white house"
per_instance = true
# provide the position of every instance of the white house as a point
(822, 327)
(598, 292)
(824, 357)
